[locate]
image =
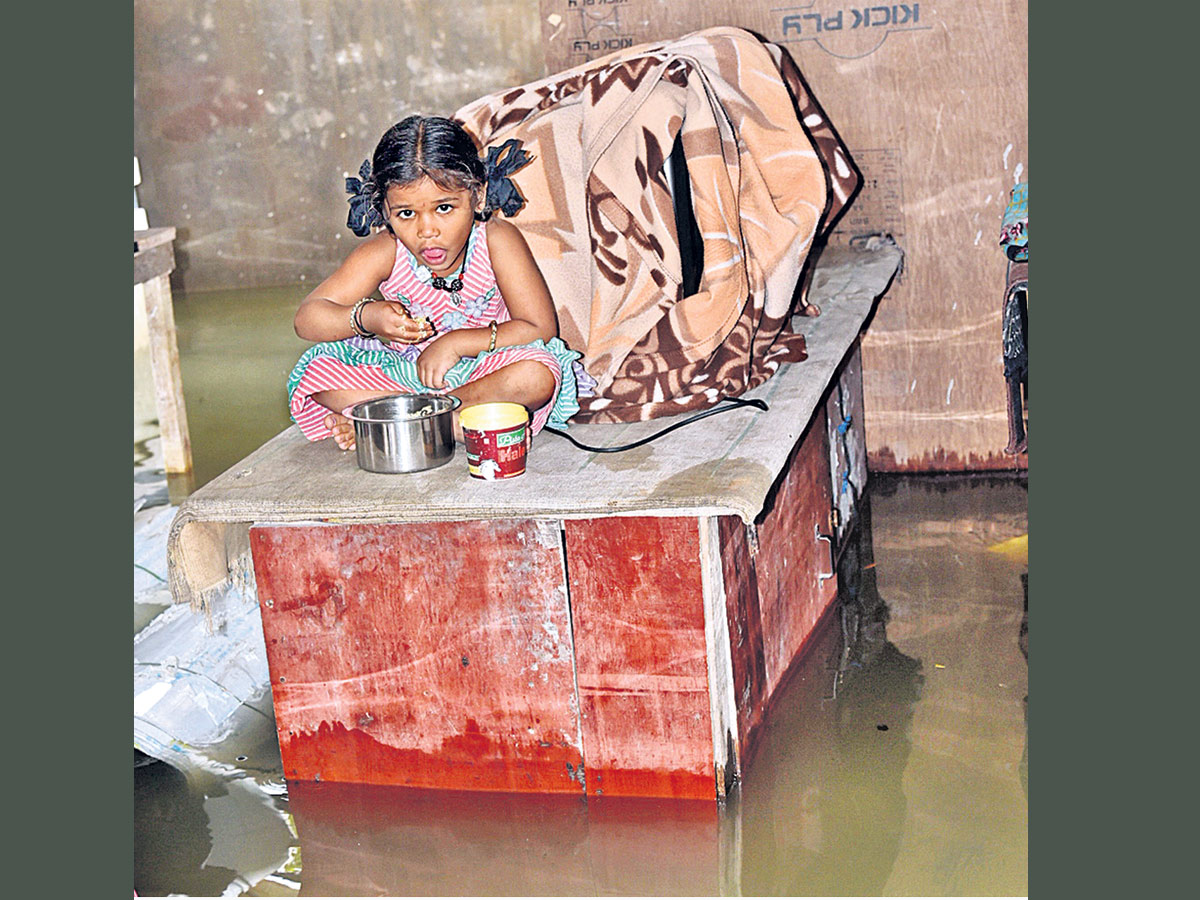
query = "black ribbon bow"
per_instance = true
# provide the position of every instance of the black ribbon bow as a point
(500, 163)
(363, 214)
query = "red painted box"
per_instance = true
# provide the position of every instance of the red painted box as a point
(629, 655)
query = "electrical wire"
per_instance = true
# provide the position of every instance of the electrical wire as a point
(738, 403)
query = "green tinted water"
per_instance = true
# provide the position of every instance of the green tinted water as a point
(236, 349)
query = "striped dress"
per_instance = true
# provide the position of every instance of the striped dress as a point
(371, 364)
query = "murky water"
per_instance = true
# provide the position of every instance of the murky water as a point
(236, 349)
(893, 763)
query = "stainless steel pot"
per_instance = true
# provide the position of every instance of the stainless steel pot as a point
(404, 432)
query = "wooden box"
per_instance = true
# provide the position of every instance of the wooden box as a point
(609, 624)
(625, 655)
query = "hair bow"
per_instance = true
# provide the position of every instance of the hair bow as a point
(363, 213)
(500, 163)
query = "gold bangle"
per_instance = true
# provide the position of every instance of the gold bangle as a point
(492, 342)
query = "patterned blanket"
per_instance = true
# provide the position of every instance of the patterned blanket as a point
(767, 174)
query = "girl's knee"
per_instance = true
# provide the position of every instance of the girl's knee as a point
(533, 377)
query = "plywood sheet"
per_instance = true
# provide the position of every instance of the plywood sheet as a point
(638, 615)
(430, 656)
(794, 555)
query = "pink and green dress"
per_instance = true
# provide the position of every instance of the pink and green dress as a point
(370, 364)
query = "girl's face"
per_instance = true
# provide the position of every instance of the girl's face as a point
(433, 222)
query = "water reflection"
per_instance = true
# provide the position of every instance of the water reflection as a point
(171, 839)
(823, 806)
(209, 832)
(361, 840)
(1023, 643)
(950, 553)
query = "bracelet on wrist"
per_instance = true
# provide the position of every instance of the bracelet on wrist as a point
(492, 342)
(356, 324)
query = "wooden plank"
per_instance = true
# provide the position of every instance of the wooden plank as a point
(152, 263)
(153, 237)
(745, 628)
(723, 712)
(794, 563)
(168, 383)
(431, 655)
(641, 659)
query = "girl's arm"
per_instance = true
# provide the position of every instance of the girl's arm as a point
(324, 315)
(522, 286)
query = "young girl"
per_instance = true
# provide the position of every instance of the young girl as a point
(465, 310)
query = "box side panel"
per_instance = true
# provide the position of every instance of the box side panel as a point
(794, 561)
(432, 655)
(638, 616)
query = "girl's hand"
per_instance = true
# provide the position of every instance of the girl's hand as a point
(391, 322)
(436, 360)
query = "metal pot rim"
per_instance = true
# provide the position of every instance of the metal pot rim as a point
(455, 403)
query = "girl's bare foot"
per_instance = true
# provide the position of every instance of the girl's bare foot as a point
(343, 430)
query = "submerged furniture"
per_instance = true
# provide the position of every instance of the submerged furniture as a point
(153, 262)
(608, 623)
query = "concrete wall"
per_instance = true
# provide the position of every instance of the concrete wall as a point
(247, 114)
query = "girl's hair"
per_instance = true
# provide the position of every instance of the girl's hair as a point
(421, 146)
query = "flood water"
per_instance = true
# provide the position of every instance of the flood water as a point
(236, 349)
(893, 763)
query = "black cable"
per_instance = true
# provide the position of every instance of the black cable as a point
(737, 402)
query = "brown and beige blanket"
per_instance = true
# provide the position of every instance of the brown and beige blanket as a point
(767, 173)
